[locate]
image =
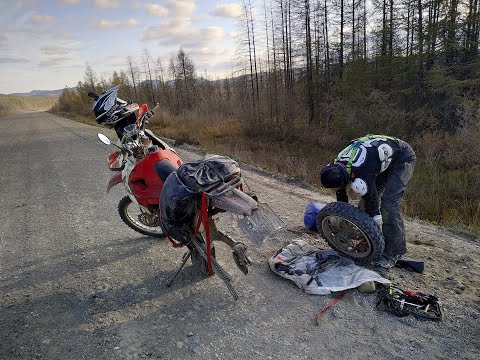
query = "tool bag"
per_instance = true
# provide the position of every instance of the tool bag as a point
(403, 303)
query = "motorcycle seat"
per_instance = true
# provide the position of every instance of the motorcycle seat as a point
(164, 168)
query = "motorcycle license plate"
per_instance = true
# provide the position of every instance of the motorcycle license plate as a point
(262, 224)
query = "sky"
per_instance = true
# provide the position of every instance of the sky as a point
(45, 44)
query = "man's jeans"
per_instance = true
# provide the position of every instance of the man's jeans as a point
(391, 186)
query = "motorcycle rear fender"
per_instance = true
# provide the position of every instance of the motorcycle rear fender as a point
(116, 179)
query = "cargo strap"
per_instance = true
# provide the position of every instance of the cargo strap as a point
(330, 304)
(204, 218)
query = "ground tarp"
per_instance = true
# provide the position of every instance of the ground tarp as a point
(320, 272)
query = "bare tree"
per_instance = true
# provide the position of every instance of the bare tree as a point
(132, 71)
(148, 73)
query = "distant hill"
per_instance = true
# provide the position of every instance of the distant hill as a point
(42, 92)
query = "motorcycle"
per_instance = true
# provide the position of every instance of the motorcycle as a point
(181, 201)
(142, 163)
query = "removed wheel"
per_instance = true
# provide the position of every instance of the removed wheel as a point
(351, 232)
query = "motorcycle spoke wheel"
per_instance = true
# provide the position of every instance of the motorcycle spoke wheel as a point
(140, 221)
(351, 232)
(347, 237)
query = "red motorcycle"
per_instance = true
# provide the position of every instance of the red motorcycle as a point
(166, 197)
(142, 163)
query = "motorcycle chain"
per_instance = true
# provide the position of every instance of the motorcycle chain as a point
(218, 269)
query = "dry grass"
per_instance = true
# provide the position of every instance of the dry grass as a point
(77, 117)
(12, 104)
(444, 189)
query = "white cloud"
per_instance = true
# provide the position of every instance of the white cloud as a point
(171, 31)
(42, 19)
(228, 10)
(181, 8)
(104, 4)
(62, 35)
(12, 60)
(211, 34)
(69, 2)
(61, 53)
(155, 9)
(3, 40)
(182, 32)
(235, 34)
(54, 50)
(209, 56)
(108, 24)
(54, 61)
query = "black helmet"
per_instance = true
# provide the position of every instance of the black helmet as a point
(109, 110)
(334, 176)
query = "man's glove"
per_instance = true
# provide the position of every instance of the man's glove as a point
(378, 221)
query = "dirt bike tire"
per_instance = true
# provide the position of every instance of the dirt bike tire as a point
(123, 206)
(372, 233)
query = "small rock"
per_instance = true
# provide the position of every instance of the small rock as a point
(367, 287)
(179, 344)
(190, 334)
(116, 348)
(193, 347)
(412, 348)
(46, 342)
(447, 270)
(458, 290)
(460, 286)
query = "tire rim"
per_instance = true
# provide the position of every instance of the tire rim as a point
(346, 237)
(134, 214)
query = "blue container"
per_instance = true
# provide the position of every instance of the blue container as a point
(311, 213)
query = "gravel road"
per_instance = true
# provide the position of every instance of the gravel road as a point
(76, 283)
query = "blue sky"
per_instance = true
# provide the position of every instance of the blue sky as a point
(45, 44)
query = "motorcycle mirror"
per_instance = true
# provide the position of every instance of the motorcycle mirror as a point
(104, 139)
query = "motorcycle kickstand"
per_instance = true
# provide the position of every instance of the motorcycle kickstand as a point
(184, 261)
(217, 268)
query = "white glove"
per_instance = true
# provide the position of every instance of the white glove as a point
(378, 220)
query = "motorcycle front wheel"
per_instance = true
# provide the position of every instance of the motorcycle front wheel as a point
(136, 218)
(351, 232)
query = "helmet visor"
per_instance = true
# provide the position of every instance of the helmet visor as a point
(106, 100)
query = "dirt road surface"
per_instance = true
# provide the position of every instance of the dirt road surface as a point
(76, 283)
